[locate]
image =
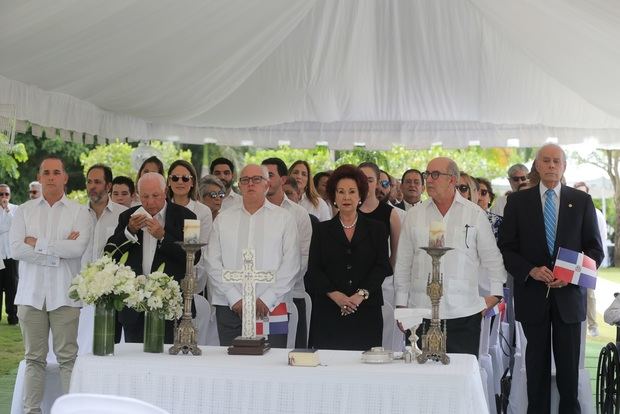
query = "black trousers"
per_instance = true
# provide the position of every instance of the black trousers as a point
(301, 338)
(8, 285)
(566, 341)
(463, 334)
(229, 327)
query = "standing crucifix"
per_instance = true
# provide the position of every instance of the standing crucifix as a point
(248, 277)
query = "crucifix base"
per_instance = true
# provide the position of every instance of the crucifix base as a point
(249, 346)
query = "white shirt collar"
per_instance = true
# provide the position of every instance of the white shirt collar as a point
(544, 189)
(63, 200)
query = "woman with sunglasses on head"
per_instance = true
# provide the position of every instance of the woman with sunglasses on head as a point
(310, 199)
(212, 191)
(182, 191)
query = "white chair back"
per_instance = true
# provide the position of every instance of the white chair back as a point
(205, 322)
(102, 404)
(293, 318)
(308, 301)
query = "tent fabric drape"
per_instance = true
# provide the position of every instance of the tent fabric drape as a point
(407, 72)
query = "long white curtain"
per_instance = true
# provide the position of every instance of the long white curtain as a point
(378, 72)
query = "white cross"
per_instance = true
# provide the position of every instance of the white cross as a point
(248, 277)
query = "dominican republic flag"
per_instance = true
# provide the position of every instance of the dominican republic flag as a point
(499, 309)
(275, 324)
(575, 268)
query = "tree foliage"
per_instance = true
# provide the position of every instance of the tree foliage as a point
(10, 157)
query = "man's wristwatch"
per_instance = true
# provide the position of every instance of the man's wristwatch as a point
(364, 293)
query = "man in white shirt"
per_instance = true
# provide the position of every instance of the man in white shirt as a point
(277, 177)
(412, 187)
(34, 190)
(103, 212)
(271, 232)
(224, 169)
(48, 237)
(8, 266)
(469, 234)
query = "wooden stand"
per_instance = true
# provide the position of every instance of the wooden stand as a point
(249, 346)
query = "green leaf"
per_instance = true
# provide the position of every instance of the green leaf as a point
(124, 258)
(161, 267)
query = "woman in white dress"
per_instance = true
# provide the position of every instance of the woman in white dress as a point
(310, 199)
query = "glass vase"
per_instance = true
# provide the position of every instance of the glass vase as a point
(154, 324)
(105, 324)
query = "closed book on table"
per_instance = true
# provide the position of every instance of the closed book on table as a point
(302, 357)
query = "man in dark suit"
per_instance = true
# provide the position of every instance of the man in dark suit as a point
(150, 242)
(537, 221)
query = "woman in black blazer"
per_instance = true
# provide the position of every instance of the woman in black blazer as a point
(346, 267)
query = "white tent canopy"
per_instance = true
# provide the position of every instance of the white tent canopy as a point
(263, 72)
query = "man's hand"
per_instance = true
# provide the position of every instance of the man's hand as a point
(4, 204)
(261, 309)
(542, 274)
(490, 301)
(31, 241)
(557, 283)
(400, 325)
(237, 307)
(154, 228)
(136, 223)
(73, 235)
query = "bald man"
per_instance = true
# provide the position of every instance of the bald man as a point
(269, 230)
(150, 240)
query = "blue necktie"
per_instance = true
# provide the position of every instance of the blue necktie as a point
(549, 214)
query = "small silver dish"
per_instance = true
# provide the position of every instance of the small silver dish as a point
(377, 355)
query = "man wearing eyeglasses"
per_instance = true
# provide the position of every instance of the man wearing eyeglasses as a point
(469, 234)
(34, 190)
(271, 232)
(224, 169)
(8, 266)
(517, 175)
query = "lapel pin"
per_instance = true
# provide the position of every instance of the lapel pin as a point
(570, 205)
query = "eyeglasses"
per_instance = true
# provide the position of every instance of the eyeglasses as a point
(216, 194)
(463, 188)
(384, 183)
(185, 178)
(484, 192)
(5, 194)
(33, 192)
(433, 174)
(257, 179)
(518, 178)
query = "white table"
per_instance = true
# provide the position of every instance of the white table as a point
(219, 383)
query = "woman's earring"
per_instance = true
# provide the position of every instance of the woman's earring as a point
(359, 203)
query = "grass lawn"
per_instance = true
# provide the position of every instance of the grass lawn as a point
(11, 352)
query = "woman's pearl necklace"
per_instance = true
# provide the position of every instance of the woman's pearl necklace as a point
(350, 226)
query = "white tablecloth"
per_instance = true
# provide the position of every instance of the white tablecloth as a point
(219, 383)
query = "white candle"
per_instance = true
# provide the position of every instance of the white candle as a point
(437, 234)
(191, 231)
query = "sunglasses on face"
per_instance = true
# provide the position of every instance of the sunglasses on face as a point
(484, 192)
(185, 178)
(33, 192)
(516, 179)
(463, 188)
(384, 183)
(216, 194)
(5, 194)
(433, 174)
(257, 179)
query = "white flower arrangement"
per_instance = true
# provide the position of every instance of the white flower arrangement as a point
(158, 292)
(105, 281)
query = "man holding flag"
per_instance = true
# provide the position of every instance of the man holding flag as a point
(537, 222)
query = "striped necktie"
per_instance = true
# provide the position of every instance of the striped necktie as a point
(549, 214)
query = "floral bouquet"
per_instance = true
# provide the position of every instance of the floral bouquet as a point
(104, 282)
(158, 292)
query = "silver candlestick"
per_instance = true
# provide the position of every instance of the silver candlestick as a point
(434, 340)
(185, 334)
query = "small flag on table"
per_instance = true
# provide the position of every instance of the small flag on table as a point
(275, 324)
(576, 268)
